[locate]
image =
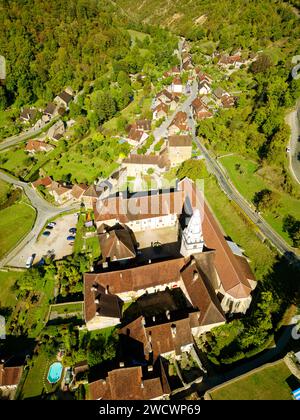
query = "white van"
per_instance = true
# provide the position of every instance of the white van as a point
(29, 261)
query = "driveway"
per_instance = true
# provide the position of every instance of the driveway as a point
(55, 244)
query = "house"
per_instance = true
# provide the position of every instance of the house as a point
(78, 190)
(176, 86)
(63, 99)
(204, 77)
(136, 164)
(33, 146)
(57, 131)
(231, 60)
(60, 192)
(28, 114)
(10, 377)
(100, 307)
(45, 182)
(174, 71)
(160, 111)
(142, 125)
(91, 195)
(173, 103)
(128, 383)
(164, 96)
(228, 101)
(219, 93)
(50, 112)
(200, 110)
(179, 124)
(136, 137)
(116, 243)
(204, 87)
(199, 236)
(179, 149)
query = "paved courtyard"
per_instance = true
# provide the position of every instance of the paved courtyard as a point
(164, 235)
(56, 244)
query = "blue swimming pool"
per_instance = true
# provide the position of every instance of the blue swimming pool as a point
(54, 373)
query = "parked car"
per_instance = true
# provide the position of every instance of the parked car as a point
(71, 238)
(49, 227)
(72, 230)
(46, 233)
(30, 261)
(52, 224)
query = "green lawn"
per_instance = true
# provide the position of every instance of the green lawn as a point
(4, 189)
(85, 245)
(239, 228)
(137, 35)
(7, 295)
(248, 182)
(269, 383)
(15, 222)
(67, 308)
(36, 379)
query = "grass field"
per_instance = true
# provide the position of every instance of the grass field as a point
(15, 222)
(7, 295)
(240, 229)
(4, 189)
(269, 383)
(248, 182)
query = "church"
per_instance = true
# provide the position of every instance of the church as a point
(156, 242)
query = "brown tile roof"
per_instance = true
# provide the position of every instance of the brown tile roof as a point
(166, 93)
(228, 101)
(37, 146)
(162, 107)
(59, 189)
(198, 105)
(201, 294)
(139, 207)
(143, 125)
(10, 375)
(126, 384)
(134, 278)
(116, 243)
(180, 121)
(28, 114)
(226, 59)
(46, 182)
(229, 271)
(135, 134)
(93, 191)
(180, 141)
(145, 160)
(98, 302)
(177, 81)
(78, 190)
(50, 108)
(162, 338)
(66, 97)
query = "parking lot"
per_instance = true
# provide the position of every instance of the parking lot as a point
(55, 244)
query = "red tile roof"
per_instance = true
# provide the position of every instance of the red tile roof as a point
(10, 376)
(126, 384)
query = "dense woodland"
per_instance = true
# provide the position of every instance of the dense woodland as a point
(51, 45)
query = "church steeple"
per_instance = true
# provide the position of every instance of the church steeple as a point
(192, 238)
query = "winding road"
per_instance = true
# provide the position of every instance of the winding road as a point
(44, 212)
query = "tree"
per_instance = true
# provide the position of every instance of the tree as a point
(103, 104)
(264, 200)
(193, 169)
(3, 100)
(261, 64)
(292, 227)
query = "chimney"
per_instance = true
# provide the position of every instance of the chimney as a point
(97, 301)
(105, 264)
(121, 364)
(153, 318)
(142, 384)
(195, 276)
(150, 368)
(93, 289)
(107, 235)
(149, 261)
(143, 321)
(168, 315)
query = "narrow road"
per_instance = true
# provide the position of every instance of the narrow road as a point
(13, 140)
(233, 194)
(45, 211)
(292, 119)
